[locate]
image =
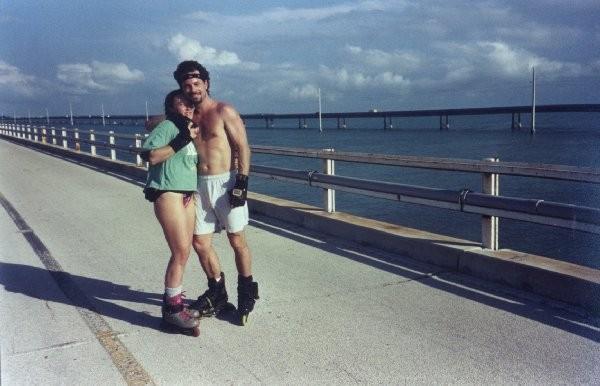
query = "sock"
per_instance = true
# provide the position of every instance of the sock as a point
(170, 292)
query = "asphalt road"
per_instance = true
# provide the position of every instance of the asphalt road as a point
(82, 260)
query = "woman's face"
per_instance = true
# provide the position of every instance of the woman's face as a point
(183, 106)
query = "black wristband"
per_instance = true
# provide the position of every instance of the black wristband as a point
(180, 141)
(145, 155)
(241, 181)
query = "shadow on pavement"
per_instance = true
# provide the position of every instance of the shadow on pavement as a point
(531, 306)
(98, 296)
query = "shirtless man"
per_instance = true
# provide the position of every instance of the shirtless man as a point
(222, 189)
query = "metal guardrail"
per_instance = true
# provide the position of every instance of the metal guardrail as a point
(532, 210)
(560, 172)
(488, 204)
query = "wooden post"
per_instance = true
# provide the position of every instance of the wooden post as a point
(35, 133)
(64, 137)
(111, 141)
(44, 139)
(489, 224)
(329, 194)
(29, 132)
(53, 132)
(93, 142)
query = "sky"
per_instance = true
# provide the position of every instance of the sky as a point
(274, 56)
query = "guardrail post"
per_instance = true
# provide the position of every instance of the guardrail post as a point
(111, 141)
(489, 224)
(64, 137)
(44, 138)
(93, 143)
(329, 194)
(29, 132)
(35, 133)
(138, 144)
(53, 132)
(77, 144)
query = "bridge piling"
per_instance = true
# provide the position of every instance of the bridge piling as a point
(444, 124)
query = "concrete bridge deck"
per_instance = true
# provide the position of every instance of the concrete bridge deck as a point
(81, 265)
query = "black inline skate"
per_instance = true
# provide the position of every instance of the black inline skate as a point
(212, 301)
(247, 295)
(176, 316)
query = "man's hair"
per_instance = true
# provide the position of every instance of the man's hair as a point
(188, 66)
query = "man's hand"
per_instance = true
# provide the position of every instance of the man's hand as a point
(237, 196)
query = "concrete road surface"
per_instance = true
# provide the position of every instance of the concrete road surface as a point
(82, 260)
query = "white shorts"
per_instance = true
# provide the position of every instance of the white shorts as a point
(213, 211)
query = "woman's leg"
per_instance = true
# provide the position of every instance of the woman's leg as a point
(177, 223)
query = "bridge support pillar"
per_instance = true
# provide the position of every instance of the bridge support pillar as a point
(489, 224)
(444, 124)
(387, 125)
(518, 124)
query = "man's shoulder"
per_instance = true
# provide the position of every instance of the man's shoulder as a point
(225, 109)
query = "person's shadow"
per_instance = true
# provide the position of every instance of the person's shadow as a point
(83, 292)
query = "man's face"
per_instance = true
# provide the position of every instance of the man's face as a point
(195, 89)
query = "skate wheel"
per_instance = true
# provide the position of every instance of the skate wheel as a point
(196, 331)
(244, 320)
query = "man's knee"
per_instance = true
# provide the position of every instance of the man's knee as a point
(237, 241)
(201, 245)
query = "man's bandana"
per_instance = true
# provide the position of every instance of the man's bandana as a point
(190, 76)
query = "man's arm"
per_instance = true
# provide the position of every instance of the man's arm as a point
(240, 149)
(238, 140)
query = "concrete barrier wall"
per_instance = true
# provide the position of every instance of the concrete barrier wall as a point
(558, 280)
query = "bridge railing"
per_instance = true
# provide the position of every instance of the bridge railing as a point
(487, 203)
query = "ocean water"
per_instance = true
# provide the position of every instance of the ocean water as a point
(565, 139)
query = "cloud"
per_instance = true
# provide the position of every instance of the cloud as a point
(308, 91)
(515, 61)
(14, 81)
(117, 72)
(285, 15)
(81, 78)
(397, 60)
(344, 78)
(185, 48)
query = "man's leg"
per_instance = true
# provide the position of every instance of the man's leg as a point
(247, 289)
(215, 298)
(243, 259)
(207, 255)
